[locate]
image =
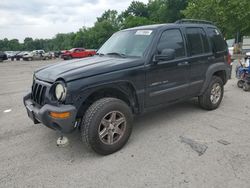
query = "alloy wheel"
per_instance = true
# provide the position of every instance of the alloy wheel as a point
(215, 93)
(112, 127)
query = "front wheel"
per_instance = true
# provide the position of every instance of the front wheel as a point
(107, 125)
(213, 95)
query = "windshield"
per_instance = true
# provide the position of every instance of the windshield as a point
(127, 43)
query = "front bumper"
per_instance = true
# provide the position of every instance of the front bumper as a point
(42, 115)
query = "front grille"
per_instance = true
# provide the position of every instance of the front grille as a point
(38, 93)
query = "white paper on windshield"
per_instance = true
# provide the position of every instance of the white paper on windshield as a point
(143, 32)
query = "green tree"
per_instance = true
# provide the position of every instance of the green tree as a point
(136, 8)
(229, 15)
(133, 21)
(166, 11)
(103, 28)
(28, 43)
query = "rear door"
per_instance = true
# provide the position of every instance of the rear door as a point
(166, 81)
(200, 57)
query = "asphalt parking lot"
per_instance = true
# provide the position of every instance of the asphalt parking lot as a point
(163, 150)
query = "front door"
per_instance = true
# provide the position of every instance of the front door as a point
(77, 53)
(167, 81)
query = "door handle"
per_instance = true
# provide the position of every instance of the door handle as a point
(185, 63)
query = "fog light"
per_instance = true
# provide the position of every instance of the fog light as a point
(60, 115)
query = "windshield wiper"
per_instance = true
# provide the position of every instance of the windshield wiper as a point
(117, 53)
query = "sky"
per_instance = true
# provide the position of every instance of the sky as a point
(46, 18)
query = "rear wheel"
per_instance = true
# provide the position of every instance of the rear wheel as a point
(240, 83)
(213, 95)
(107, 125)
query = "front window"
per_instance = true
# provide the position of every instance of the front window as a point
(127, 43)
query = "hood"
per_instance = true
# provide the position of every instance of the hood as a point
(81, 68)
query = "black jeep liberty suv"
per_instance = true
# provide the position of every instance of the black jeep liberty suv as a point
(135, 71)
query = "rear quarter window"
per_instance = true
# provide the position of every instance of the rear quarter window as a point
(217, 41)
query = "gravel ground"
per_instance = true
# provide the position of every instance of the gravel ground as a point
(180, 146)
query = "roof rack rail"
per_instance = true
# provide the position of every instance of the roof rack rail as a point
(193, 21)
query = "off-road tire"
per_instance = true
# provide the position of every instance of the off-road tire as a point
(240, 83)
(246, 87)
(92, 119)
(205, 99)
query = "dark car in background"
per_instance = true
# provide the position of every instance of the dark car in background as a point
(19, 55)
(3, 56)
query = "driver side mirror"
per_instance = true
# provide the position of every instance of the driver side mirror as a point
(166, 54)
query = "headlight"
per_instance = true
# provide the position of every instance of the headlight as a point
(60, 92)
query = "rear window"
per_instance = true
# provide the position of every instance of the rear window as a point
(197, 41)
(217, 41)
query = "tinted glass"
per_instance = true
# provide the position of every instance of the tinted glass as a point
(204, 40)
(197, 40)
(194, 41)
(218, 43)
(172, 39)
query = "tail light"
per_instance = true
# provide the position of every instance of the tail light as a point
(229, 60)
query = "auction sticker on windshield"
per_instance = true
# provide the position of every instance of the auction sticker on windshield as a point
(143, 32)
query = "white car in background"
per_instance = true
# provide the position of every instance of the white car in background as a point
(37, 55)
(246, 44)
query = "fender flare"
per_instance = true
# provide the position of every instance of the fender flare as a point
(120, 85)
(213, 69)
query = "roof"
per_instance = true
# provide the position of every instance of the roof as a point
(153, 26)
(184, 22)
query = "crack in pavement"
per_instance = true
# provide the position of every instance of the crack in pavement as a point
(196, 146)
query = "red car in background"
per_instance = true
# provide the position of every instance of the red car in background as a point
(77, 53)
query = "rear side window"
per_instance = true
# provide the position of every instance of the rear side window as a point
(217, 41)
(172, 39)
(197, 40)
